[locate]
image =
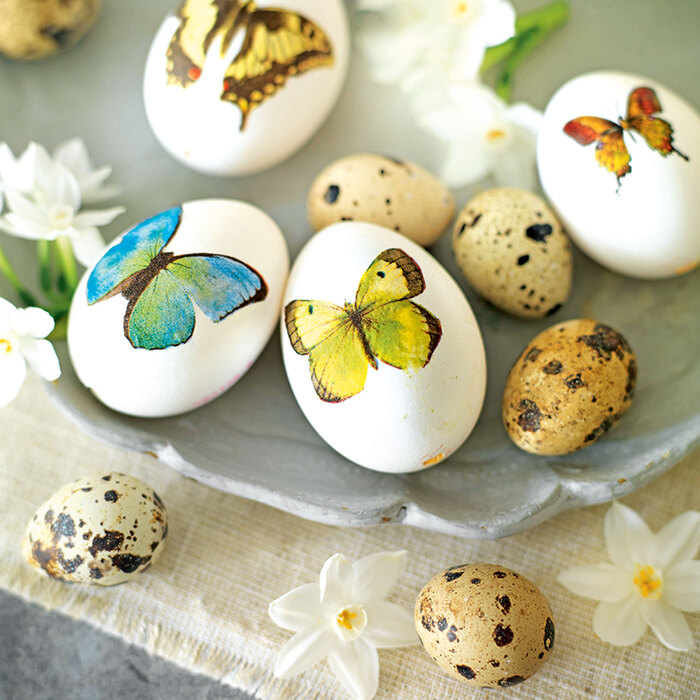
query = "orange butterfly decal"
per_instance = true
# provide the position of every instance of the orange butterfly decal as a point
(611, 151)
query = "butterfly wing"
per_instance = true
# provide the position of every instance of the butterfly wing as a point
(399, 332)
(277, 44)
(658, 133)
(218, 284)
(610, 151)
(161, 316)
(402, 334)
(337, 351)
(111, 275)
(200, 22)
(393, 275)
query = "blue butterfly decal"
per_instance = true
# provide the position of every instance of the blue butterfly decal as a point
(161, 286)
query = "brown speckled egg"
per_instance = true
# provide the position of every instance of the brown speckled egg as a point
(514, 252)
(101, 529)
(485, 624)
(396, 194)
(31, 29)
(571, 384)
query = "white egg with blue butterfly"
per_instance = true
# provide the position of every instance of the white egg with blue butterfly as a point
(235, 87)
(179, 307)
(381, 348)
(619, 159)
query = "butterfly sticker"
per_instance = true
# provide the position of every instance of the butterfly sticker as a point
(382, 324)
(161, 286)
(611, 151)
(277, 44)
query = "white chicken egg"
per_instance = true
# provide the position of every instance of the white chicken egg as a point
(619, 159)
(179, 307)
(237, 87)
(381, 348)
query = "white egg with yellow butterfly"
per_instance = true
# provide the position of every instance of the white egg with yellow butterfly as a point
(179, 307)
(234, 87)
(381, 348)
(619, 159)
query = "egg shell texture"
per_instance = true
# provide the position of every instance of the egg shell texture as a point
(571, 384)
(204, 131)
(34, 30)
(647, 226)
(485, 624)
(399, 420)
(102, 529)
(179, 378)
(514, 252)
(399, 195)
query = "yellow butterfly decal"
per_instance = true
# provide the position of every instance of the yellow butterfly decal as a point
(277, 44)
(382, 324)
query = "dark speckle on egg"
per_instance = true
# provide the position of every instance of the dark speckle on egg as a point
(332, 194)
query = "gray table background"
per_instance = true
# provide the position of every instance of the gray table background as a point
(44, 655)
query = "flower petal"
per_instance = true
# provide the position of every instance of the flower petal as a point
(357, 666)
(305, 649)
(619, 623)
(681, 586)
(42, 358)
(669, 625)
(601, 582)
(678, 540)
(375, 575)
(336, 582)
(627, 536)
(25, 228)
(32, 322)
(88, 246)
(297, 609)
(389, 625)
(13, 370)
(73, 154)
(97, 217)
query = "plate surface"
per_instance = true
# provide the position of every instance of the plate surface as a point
(254, 441)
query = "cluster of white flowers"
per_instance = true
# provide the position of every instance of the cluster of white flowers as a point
(434, 51)
(44, 194)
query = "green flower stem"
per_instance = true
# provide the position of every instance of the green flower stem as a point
(43, 249)
(530, 30)
(8, 271)
(66, 262)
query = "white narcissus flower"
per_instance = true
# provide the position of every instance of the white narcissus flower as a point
(412, 35)
(22, 340)
(73, 155)
(50, 208)
(484, 135)
(344, 617)
(652, 580)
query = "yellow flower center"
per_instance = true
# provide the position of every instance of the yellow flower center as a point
(345, 619)
(61, 217)
(5, 346)
(648, 582)
(350, 621)
(460, 11)
(495, 135)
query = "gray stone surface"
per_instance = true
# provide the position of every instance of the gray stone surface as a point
(44, 655)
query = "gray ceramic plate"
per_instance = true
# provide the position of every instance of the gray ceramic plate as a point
(254, 441)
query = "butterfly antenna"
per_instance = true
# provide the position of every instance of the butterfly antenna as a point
(682, 155)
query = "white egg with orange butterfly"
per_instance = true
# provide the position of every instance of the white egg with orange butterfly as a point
(234, 87)
(381, 348)
(179, 307)
(619, 159)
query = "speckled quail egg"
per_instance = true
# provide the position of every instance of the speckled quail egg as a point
(570, 385)
(399, 195)
(513, 251)
(485, 624)
(40, 28)
(102, 529)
